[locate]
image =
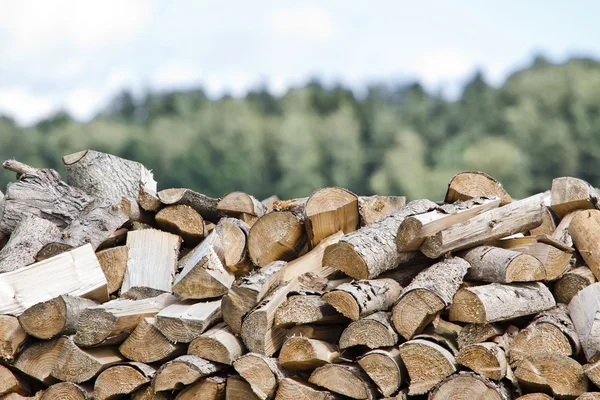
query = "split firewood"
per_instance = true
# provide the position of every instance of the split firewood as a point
(445, 328)
(470, 184)
(54, 317)
(427, 364)
(262, 373)
(79, 365)
(147, 344)
(372, 208)
(345, 379)
(77, 273)
(218, 344)
(114, 263)
(183, 370)
(306, 309)
(487, 359)
(147, 393)
(243, 297)
(294, 389)
(234, 237)
(122, 380)
(592, 371)
(66, 391)
(204, 205)
(548, 226)
(467, 385)
(551, 331)
(117, 238)
(385, 368)
(235, 203)
(516, 217)
(414, 229)
(278, 235)
(203, 274)
(38, 359)
(372, 249)
(537, 396)
(428, 294)
(584, 229)
(151, 263)
(211, 388)
(569, 194)
(12, 338)
(113, 321)
(295, 206)
(373, 331)
(185, 321)
(359, 299)
(498, 302)
(148, 199)
(589, 396)
(17, 396)
(183, 221)
(41, 193)
(10, 382)
(238, 389)
(304, 354)
(494, 264)
(330, 210)
(568, 285)
(555, 374)
(31, 234)
(326, 333)
(584, 311)
(561, 233)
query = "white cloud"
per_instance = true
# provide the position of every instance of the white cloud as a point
(82, 103)
(24, 106)
(303, 23)
(175, 74)
(444, 69)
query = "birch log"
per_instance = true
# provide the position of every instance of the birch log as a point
(372, 208)
(470, 184)
(304, 354)
(345, 379)
(584, 312)
(493, 264)
(204, 205)
(218, 344)
(183, 370)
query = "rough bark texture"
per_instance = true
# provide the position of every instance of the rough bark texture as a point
(372, 208)
(584, 312)
(493, 264)
(469, 184)
(206, 206)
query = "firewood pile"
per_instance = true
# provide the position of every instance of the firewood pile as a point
(112, 289)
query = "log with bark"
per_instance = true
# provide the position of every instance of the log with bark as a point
(218, 344)
(147, 344)
(584, 229)
(303, 354)
(569, 194)
(494, 264)
(374, 331)
(385, 368)
(345, 379)
(122, 380)
(236, 203)
(584, 312)
(12, 338)
(575, 280)
(184, 221)
(470, 184)
(278, 235)
(306, 309)
(204, 205)
(262, 373)
(183, 370)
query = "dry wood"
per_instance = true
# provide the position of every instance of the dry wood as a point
(372, 249)
(113, 321)
(276, 236)
(345, 379)
(584, 230)
(516, 217)
(218, 344)
(236, 203)
(469, 184)
(466, 385)
(114, 263)
(66, 391)
(38, 359)
(203, 274)
(361, 298)
(548, 226)
(148, 200)
(122, 380)
(54, 317)
(185, 321)
(493, 264)
(583, 310)
(270, 201)
(373, 331)
(304, 354)
(372, 208)
(234, 236)
(568, 285)
(76, 272)
(262, 373)
(592, 371)
(183, 370)
(117, 238)
(151, 263)
(12, 338)
(294, 389)
(10, 382)
(429, 293)
(414, 229)
(498, 302)
(17, 396)
(327, 333)
(242, 298)
(536, 396)
(555, 374)
(427, 364)
(570, 194)
(305, 309)
(487, 359)
(330, 210)
(147, 393)
(206, 206)
(211, 388)
(238, 389)
(182, 220)
(147, 344)
(385, 368)
(561, 233)
(589, 396)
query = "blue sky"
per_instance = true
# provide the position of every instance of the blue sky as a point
(75, 55)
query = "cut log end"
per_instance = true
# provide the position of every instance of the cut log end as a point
(343, 257)
(328, 211)
(344, 303)
(415, 311)
(470, 184)
(427, 364)
(344, 379)
(182, 220)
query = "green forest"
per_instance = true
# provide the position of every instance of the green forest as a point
(543, 122)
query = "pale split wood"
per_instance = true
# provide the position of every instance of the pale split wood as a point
(187, 320)
(592, 371)
(584, 229)
(66, 391)
(211, 388)
(467, 385)
(385, 368)
(570, 194)
(12, 338)
(295, 206)
(38, 359)
(536, 396)
(183, 370)
(304, 354)
(151, 263)
(305, 309)
(469, 184)
(561, 233)
(327, 333)
(519, 216)
(584, 312)
(238, 389)
(148, 199)
(182, 220)
(278, 235)
(206, 206)
(117, 238)
(373, 331)
(372, 208)
(114, 263)
(121, 380)
(10, 382)
(589, 396)
(487, 359)
(147, 393)
(235, 203)
(345, 379)
(234, 237)
(218, 344)
(17, 396)
(444, 328)
(372, 250)
(548, 226)
(494, 264)
(147, 344)
(77, 273)
(568, 285)
(294, 389)
(500, 302)
(261, 372)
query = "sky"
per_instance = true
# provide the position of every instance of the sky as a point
(76, 55)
